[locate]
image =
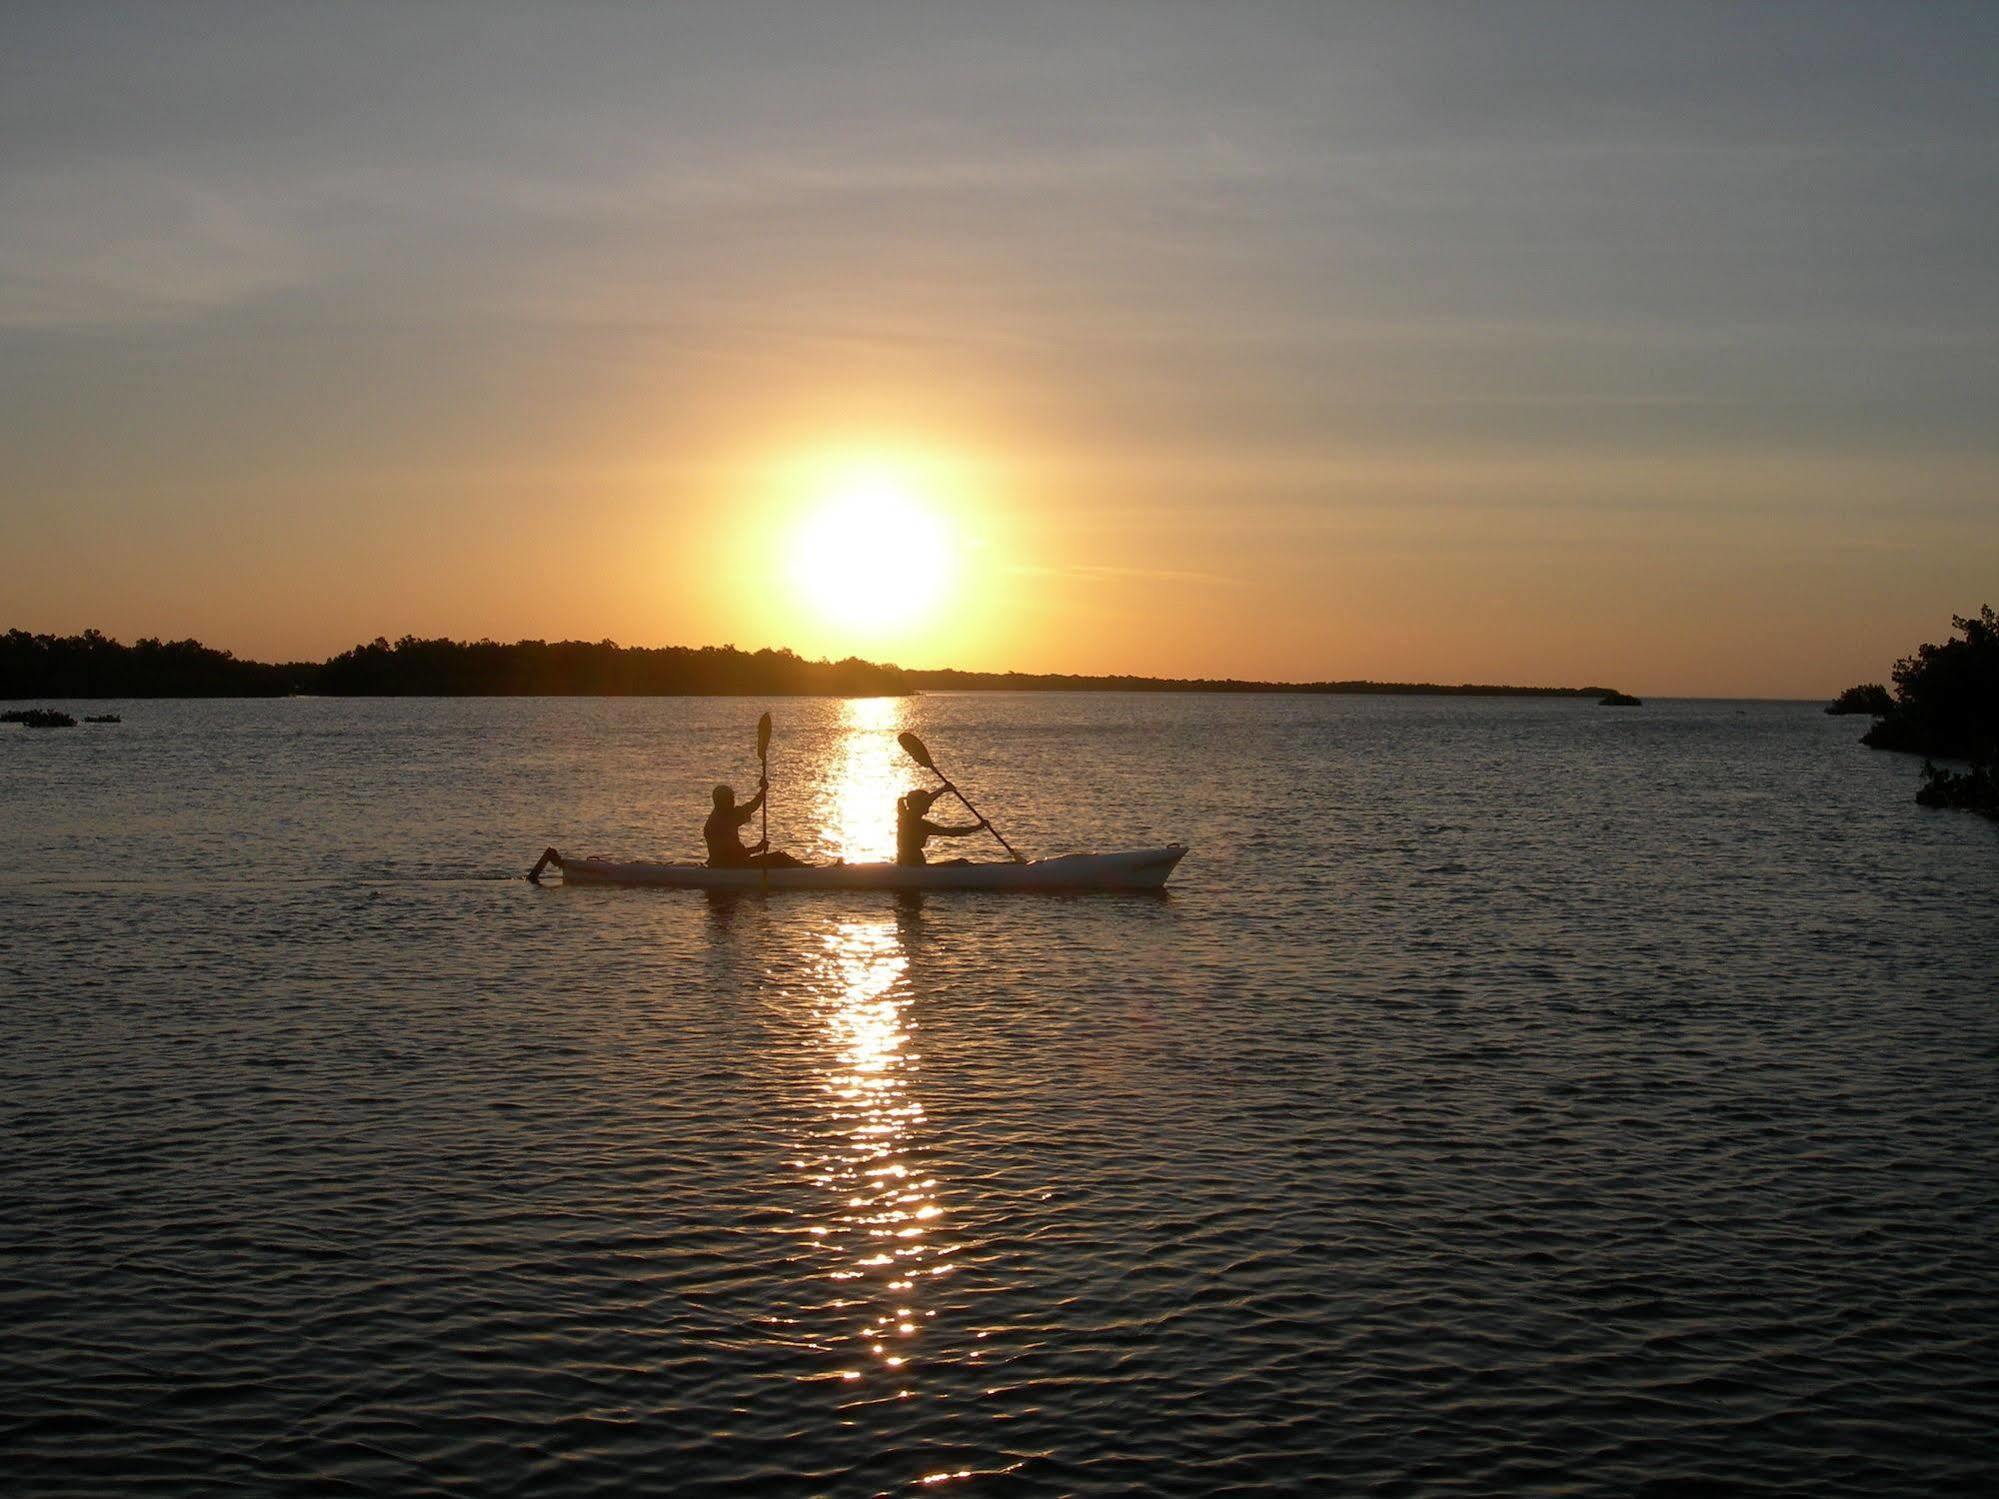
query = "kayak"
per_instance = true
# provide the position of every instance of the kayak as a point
(1137, 869)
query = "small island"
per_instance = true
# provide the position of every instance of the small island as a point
(1619, 700)
(39, 718)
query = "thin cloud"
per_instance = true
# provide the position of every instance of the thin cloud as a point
(1102, 574)
(116, 246)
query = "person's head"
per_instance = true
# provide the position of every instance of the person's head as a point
(919, 802)
(725, 798)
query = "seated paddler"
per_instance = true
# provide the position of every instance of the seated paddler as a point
(913, 828)
(723, 833)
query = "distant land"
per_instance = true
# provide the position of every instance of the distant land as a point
(92, 665)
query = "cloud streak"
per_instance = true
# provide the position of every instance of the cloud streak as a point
(99, 248)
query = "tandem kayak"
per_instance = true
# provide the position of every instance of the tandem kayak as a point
(1137, 869)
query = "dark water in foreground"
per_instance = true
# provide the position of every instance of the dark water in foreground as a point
(1509, 1096)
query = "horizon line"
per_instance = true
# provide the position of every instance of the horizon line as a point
(1218, 684)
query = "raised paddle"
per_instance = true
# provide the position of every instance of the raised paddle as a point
(921, 755)
(763, 774)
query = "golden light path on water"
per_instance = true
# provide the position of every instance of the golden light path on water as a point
(869, 771)
(879, 1238)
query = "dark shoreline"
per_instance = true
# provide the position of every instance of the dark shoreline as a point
(92, 666)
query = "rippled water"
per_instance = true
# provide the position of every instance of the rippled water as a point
(1507, 1096)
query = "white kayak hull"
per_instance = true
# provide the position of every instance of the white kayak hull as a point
(1138, 869)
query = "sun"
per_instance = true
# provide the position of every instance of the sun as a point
(873, 551)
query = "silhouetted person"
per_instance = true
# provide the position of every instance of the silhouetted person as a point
(913, 829)
(723, 833)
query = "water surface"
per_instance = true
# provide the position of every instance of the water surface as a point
(1508, 1095)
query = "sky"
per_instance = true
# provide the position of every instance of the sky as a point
(1649, 345)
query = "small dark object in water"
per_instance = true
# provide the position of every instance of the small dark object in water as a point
(102, 718)
(1619, 700)
(39, 718)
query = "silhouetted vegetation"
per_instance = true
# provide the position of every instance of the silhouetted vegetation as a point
(1870, 697)
(1619, 700)
(1974, 790)
(574, 668)
(1947, 696)
(1017, 681)
(39, 718)
(91, 665)
(1947, 704)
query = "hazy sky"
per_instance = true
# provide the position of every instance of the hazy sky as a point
(1652, 344)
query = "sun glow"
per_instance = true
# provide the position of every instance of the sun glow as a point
(874, 550)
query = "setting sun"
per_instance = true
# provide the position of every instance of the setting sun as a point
(873, 549)
(886, 546)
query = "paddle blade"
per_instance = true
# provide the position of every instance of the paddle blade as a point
(763, 737)
(914, 747)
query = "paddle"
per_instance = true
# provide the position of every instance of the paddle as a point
(921, 755)
(763, 774)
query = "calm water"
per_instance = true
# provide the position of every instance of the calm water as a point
(1508, 1096)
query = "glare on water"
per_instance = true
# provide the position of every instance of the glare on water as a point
(882, 1210)
(856, 804)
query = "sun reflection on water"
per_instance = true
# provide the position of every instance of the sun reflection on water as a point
(869, 772)
(881, 1231)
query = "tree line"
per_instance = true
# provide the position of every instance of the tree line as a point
(951, 680)
(92, 665)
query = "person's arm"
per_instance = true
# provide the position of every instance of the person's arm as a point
(937, 830)
(749, 808)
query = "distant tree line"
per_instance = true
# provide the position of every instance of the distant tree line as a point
(1018, 681)
(1946, 704)
(92, 665)
(575, 668)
